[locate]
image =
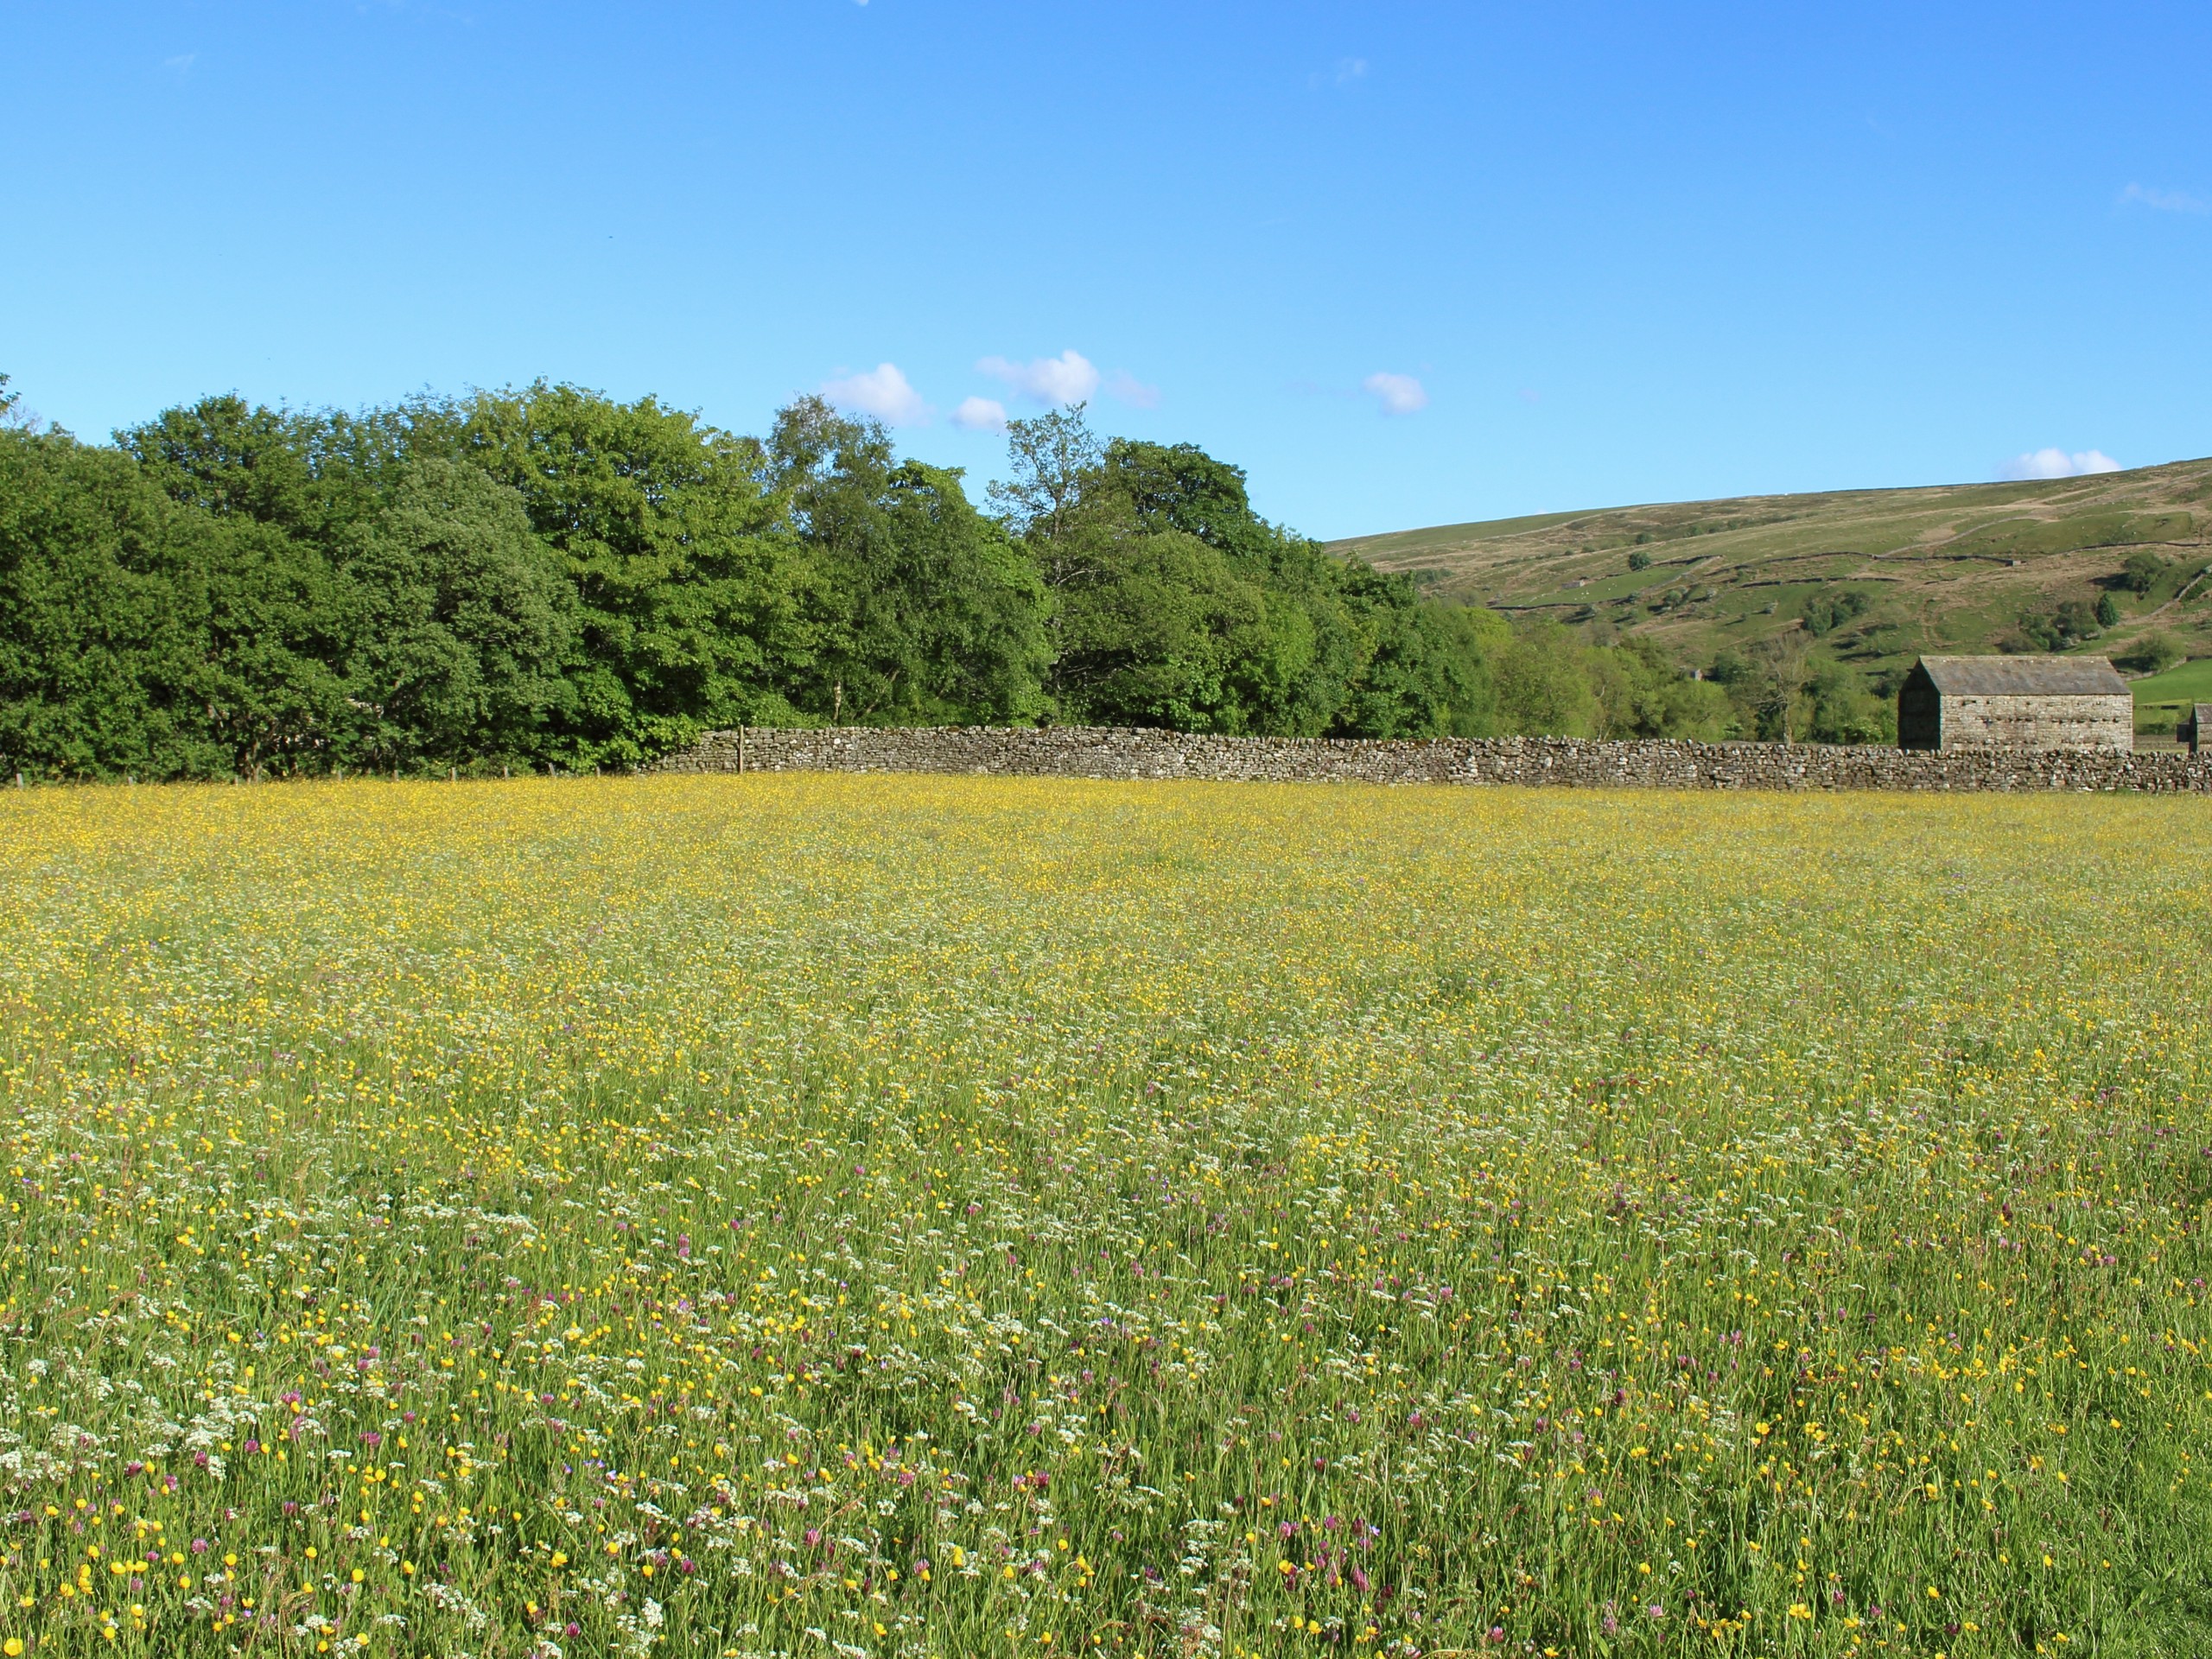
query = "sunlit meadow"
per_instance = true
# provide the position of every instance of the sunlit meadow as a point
(896, 1216)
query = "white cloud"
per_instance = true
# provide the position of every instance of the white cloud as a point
(1132, 390)
(1068, 378)
(881, 391)
(979, 415)
(2056, 463)
(1399, 394)
(181, 65)
(2166, 201)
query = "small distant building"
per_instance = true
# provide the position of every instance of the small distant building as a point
(2016, 703)
(2196, 727)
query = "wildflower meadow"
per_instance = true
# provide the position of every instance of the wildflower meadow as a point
(886, 1217)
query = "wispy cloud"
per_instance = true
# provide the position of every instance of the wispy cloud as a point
(2057, 463)
(1399, 394)
(2164, 201)
(882, 392)
(1131, 390)
(1068, 378)
(180, 65)
(979, 415)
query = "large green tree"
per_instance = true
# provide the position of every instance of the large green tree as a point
(96, 665)
(312, 474)
(147, 637)
(691, 611)
(1175, 603)
(1639, 691)
(462, 624)
(1158, 635)
(1290, 675)
(934, 616)
(1427, 667)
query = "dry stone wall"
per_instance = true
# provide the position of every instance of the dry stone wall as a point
(1105, 752)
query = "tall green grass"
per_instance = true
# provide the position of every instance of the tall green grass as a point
(902, 1217)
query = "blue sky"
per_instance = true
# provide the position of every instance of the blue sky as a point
(1407, 263)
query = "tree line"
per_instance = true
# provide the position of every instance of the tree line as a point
(547, 578)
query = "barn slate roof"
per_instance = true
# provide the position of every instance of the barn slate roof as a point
(2025, 676)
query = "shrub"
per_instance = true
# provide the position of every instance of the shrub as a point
(1827, 612)
(2068, 624)
(2151, 654)
(2141, 572)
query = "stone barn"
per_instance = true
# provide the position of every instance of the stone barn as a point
(2015, 702)
(2195, 728)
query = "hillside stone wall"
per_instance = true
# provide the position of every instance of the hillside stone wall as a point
(1110, 753)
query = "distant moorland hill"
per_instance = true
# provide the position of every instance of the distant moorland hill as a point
(1876, 575)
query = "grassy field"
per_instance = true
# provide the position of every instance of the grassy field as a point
(2163, 699)
(2190, 682)
(885, 1217)
(1953, 568)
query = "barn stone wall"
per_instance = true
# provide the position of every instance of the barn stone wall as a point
(2039, 722)
(1099, 752)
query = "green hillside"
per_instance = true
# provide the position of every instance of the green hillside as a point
(1876, 575)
